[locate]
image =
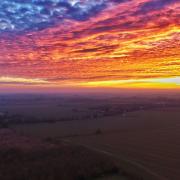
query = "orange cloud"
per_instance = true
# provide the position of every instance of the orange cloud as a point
(119, 44)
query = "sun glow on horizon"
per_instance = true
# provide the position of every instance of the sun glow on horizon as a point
(159, 83)
(153, 83)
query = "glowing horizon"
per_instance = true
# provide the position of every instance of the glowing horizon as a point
(106, 43)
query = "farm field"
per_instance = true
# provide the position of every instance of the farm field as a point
(141, 133)
(147, 138)
(33, 158)
(151, 140)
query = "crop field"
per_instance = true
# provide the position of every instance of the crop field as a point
(149, 138)
(143, 131)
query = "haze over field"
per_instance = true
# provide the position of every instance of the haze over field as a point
(135, 133)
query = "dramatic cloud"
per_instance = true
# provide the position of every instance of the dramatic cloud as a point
(78, 43)
(156, 5)
(19, 15)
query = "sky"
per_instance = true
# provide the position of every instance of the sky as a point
(89, 44)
